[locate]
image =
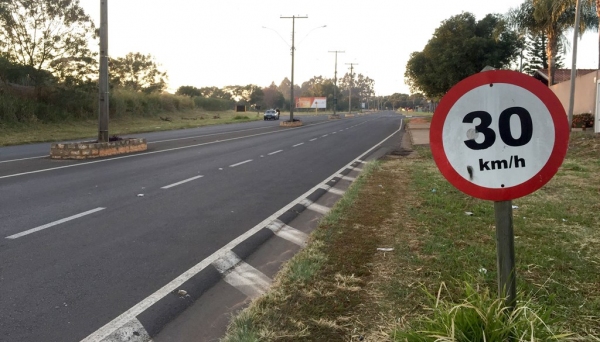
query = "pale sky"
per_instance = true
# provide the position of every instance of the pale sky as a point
(221, 42)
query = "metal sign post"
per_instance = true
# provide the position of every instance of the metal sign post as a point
(505, 252)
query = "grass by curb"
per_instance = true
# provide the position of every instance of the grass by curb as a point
(341, 288)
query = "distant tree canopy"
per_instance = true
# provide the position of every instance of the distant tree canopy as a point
(48, 35)
(137, 72)
(460, 47)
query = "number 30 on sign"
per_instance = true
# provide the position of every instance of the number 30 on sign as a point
(499, 135)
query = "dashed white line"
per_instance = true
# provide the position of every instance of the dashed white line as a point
(238, 164)
(298, 144)
(313, 139)
(272, 153)
(333, 132)
(323, 136)
(51, 224)
(14, 160)
(183, 181)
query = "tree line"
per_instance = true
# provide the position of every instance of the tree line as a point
(529, 37)
(278, 96)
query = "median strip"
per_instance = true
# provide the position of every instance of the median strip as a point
(52, 224)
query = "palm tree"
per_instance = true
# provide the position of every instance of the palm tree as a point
(552, 18)
(589, 6)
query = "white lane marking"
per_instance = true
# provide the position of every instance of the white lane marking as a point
(288, 233)
(333, 132)
(248, 280)
(272, 153)
(174, 284)
(333, 190)
(341, 130)
(361, 161)
(183, 181)
(321, 209)
(240, 163)
(323, 136)
(154, 152)
(51, 224)
(298, 144)
(356, 168)
(313, 139)
(14, 160)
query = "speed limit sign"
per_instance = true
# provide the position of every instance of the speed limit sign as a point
(499, 135)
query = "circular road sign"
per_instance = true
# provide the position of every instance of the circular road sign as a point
(499, 135)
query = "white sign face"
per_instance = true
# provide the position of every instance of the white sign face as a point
(498, 136)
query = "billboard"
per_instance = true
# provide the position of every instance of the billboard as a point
(311, 102)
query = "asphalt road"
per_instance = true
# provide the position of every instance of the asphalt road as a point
(83, 241)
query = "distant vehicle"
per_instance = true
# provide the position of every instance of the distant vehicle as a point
(271, 114)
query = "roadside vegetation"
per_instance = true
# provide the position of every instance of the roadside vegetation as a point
(438, 283)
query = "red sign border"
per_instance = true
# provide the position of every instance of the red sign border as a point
(552, 103)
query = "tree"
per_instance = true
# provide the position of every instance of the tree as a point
(137, 72)
(48, 35)
(215, 93)
(284, 87)
(551, 18)
(273, 98)
(190, 91)
(460, 47)
(535, 56)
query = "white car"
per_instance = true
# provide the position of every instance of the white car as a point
(271, 114)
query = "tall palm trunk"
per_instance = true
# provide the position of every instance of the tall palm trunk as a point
(598, 13)
(551, 52)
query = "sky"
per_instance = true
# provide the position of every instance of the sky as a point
(205, 43)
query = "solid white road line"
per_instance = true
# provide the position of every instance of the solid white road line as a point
(238, 164)
(14, 160)
(183, 181)
(288, 233)
(37, 229)
(313, 139)
(298, 145)
(120, 321)
(272, 153)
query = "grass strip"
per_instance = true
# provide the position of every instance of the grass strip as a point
(439, 281)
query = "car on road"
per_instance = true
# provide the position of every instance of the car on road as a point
(271, 114)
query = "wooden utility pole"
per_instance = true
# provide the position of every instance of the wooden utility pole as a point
(350, 90)
(335, 82)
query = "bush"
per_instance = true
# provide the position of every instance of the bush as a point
(585, 120)
(212, 104)
(480, 316)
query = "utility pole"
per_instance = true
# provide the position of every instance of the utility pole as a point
(335, 82)
(103, 77)
(350, 90)
(292, 100)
